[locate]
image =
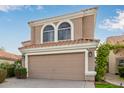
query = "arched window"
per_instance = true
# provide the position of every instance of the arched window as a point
(48, 33)
(64, 31)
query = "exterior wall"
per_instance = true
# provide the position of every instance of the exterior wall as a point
(6, 61)
(91, 60)
(36, 35)
(88, 27)
(83, 28)
(33, 35)
(23, 62)
(57, 66)
(77, 28)
(113, 61)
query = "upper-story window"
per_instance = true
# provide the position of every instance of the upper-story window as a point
(64, 31)
(48, 33)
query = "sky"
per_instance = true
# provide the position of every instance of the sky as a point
(14, 28)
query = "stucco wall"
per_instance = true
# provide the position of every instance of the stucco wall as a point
(77, 28)
(83, 28)
(91, 60)
(112, 63)
(113, 59)
(88, 26)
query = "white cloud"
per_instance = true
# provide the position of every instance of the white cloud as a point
(7, 8)
(115, 22)
(39, 7)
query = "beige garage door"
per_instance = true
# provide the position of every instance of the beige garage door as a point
(58, 66)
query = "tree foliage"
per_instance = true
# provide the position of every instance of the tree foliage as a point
(102, 58)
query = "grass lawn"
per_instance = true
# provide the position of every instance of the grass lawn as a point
(106, 85)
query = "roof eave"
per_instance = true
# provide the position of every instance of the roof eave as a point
(85, 12)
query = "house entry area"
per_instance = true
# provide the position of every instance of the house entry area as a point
(68, 66)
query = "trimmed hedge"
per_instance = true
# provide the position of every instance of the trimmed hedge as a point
(121, 71)
(3, 74)
(21, 73)
(9, 68)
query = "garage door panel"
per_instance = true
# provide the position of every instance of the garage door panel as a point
(60, 66)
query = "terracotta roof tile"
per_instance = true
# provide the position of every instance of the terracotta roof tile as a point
(60, 43)
(9, 56)
(115, 39)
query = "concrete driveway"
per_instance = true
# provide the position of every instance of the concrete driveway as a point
(44, 83)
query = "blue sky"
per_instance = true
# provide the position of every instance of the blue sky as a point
(14, 28)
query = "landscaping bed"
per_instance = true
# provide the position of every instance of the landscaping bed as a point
(12, 70)
(106, 85)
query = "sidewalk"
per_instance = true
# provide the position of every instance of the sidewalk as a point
(114, 79)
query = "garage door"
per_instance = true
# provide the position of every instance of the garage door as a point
(57, 66)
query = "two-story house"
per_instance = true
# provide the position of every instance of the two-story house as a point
(62, 47)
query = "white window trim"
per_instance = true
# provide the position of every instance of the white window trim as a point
(56, 30)
(72, 28)
(43, 29)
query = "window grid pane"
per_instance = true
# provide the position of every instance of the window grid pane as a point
(64, 34)
(48, 36)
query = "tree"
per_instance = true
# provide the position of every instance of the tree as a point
(102, 58)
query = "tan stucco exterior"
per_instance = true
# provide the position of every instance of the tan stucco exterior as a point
(88, 27)
(83, 28)
(91, 63)
(114, 60)
(112, 63)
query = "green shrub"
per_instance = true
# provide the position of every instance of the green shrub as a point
(102, 58)
(4, 65)
(9, 68)
(21, 72)
(121, 71)
(3, 74)
(17, 64)
(101, 61)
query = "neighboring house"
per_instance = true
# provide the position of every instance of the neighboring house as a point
(62, 47)
(115, 58)
(6, 57)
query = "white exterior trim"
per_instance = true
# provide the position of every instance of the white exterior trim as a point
(56, 30)
(67, 49)
(43, 29)
(72, 28)
(57, 48)
(26, 63)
